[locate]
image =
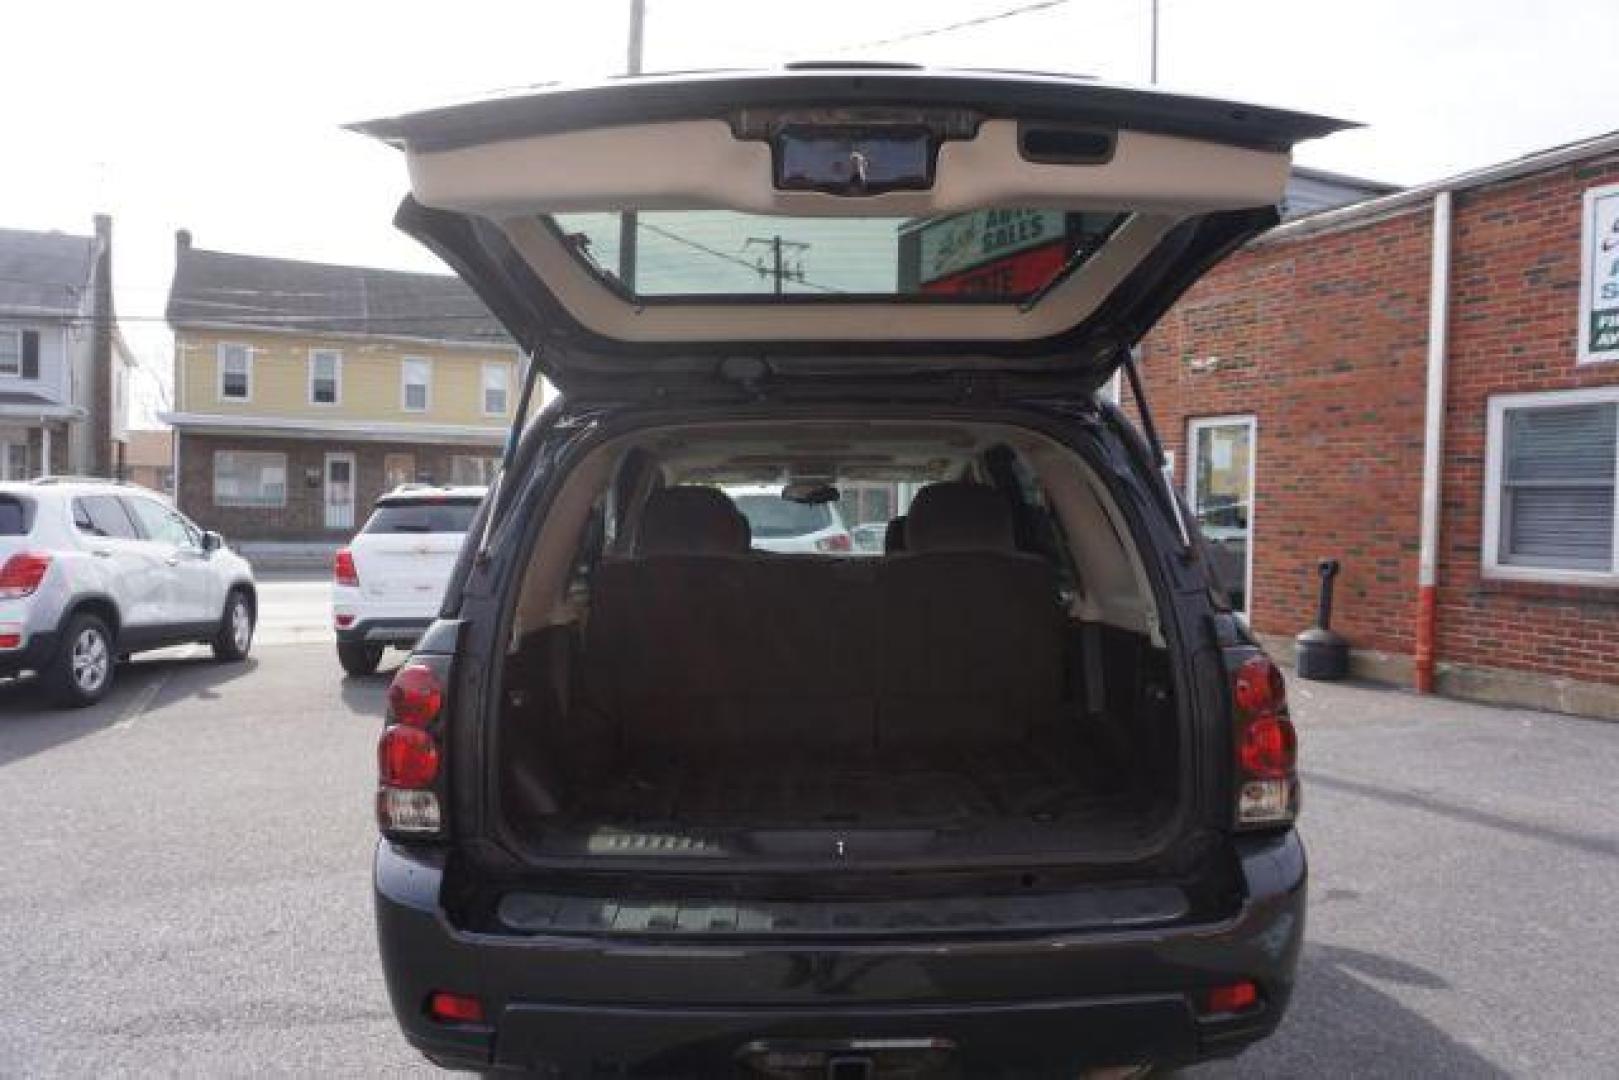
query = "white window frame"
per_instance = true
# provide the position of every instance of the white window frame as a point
(337, 377)
(1197, 424)
(286, 482)
(404, 383)
(1495, 464)
(219, 370)
(14, 371)
(505, 369)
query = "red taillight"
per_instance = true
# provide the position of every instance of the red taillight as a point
(1269, 748)
(343, 621)
(9, 640)
(835, 542)
(407, 757)
(22, 573)
(416, 695)
(343, 571)
(1267, 745)
(1237, 997)
(1258, 686)
(455, 1008)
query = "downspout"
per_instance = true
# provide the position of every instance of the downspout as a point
(1433, 438)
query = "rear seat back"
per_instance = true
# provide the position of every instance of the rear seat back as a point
(971, 630)
(697, 641)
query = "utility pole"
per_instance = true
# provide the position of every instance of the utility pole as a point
(1154, 65)
(778, 270)
(627, 224)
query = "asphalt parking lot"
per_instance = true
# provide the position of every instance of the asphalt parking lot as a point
(184, 878)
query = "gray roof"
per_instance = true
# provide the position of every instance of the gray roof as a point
(44, 273)
(256, 292)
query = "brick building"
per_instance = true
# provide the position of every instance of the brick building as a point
(1292, 387)
(302, 391)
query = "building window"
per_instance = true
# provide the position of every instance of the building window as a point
(325, 376)
(1551, 473)
(398, 469)
(497, 381)
(416, 377)
(19, 353)
(235, 372)
(244, 478)
(473, 470)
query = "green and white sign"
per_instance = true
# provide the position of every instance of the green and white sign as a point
(1599, 276)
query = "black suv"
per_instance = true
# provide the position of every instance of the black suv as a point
(1014, 796)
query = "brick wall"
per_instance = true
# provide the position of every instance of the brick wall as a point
(1513, 329)
(303, 516)
(1323, 338)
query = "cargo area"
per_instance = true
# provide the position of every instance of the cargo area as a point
(959, 694)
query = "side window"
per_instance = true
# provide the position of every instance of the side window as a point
(159, 522)
(103, 515)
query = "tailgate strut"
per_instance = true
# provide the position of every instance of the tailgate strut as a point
(1132, 357)
(514, 433)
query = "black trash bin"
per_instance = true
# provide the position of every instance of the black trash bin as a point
(1320, 653)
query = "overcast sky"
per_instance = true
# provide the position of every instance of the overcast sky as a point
(224, 118)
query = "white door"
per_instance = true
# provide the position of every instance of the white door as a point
(192, 587)
(1220, 487)
(339, 496)
(135, 568)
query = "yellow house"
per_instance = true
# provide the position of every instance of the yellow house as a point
(303, 390)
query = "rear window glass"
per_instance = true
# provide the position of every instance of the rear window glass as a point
(437, 517)
(1005, 255)
(103, 515)
(16, 516)
(771, 517)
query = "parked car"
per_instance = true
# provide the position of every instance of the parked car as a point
(787, 527)
(388, 583)
(1019, 801)
(94, 571)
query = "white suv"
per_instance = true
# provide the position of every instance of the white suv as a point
(92, 571)
(388, 583)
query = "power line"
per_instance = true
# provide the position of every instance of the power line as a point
(718, 254)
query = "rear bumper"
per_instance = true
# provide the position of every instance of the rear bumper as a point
(1000, 1004)
(398, 632)
(35, 653)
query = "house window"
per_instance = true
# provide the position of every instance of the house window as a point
(1551, 473)
(325, 376)
(473, 470)
(416, 378)
(235, 372)
(398, 469)
(244, 478)
(19, 353)
(497, 379)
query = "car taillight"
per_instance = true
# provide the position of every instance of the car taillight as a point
(835, 542)
(1267, 746)
(407, 757)
(343, 571)
(22, 573)
(410, 763)
(415, 696)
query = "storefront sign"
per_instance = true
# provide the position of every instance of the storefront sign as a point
(954, 244)
(1599, 276)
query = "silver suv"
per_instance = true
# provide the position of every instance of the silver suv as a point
(92, 571)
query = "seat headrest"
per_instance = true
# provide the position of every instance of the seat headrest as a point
(958, 517)
(894, 536)
(692, 520)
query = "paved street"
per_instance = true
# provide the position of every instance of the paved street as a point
(184, 878)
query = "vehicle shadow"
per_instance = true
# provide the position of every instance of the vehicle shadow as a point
(30, 724)
(1342, 1022)
(366, 695)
